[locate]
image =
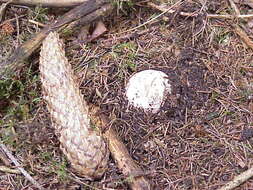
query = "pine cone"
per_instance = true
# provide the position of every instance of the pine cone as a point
(80, 141)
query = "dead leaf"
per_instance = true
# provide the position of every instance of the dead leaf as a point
(98, 31)
(199, 131)
(85, 36)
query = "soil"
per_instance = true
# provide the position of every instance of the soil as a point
(202, 136)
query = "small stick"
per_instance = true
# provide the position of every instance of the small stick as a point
(238, 180)
(229, 16)
(22, 170)
(4, 159)
(243, 36)
(47, 3)
(9, 170)
(10, 20)
(37, 23)
(119, 152)
(125, 162)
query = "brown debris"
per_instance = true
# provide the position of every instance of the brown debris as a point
(243, 35)
(7, 29)
(238, 180)
(247, 133)
(85, 37)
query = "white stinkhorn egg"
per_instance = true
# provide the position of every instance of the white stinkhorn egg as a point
(148, 90)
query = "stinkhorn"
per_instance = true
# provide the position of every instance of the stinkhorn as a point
(80, 141)
(148, 90)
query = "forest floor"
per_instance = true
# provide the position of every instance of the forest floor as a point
(202, 136)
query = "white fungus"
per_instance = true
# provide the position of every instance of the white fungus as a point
(148, 89)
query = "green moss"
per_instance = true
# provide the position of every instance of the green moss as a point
(60, 168)
(128, 52)
(39, 14)
(123, 6)
(19, 96)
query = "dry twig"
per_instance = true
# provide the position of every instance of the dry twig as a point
(22, 170)
(3, 8)
(229, 16)
(120, 153)
(4, 159)
(10, 20)
(238, 30)
(46, 3)
(36, 23)
(238, 180)
(9, 170)
(233, 5)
